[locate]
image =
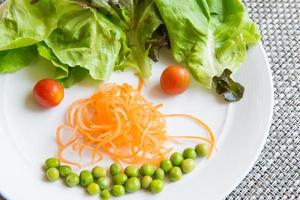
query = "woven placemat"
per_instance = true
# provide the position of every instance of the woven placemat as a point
(276, 174)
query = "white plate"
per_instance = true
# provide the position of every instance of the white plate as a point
(27, 132)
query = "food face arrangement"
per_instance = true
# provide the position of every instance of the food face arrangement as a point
(208, 40)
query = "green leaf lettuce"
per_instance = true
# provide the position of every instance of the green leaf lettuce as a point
(23, 24)
(66, 75)
(139, 20)
(15, 59)
(208, 36)
(85, 38)
(96, 37)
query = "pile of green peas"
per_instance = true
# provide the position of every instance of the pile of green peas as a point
(132, 179)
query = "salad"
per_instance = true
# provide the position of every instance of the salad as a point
(96, 37)
(93, 38)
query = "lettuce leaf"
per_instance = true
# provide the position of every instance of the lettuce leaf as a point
(15, 59)
(66, 75)
(228, 88)
(139, 19)
(62, 70)
(159, 40)
(75, 75)
(23, 24)
(208, 36)
(85, 38)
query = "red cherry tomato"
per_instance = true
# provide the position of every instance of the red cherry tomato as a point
(174, 80)
(48, 93)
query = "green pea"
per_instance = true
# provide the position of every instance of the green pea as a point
(118, 190)
(175, 174)
(159, 174)
(105, 194)
(132, 171)
(146, 181)
(189, 153)
(119, 179)
(98, 172)
(176, 159)
(103, 182)
(166, 165)
(72, 179)
(202, 150)
(52, 162)
(147, 170)
(188, 165)
(156, 186)
(86, 178)
(93, 189)
(115, 169)
(64, 170)
(133, 184)
(52, 174)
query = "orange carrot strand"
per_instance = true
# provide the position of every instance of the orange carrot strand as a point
(119, 122)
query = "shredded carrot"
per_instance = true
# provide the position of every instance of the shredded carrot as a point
(119, 122)
(212, 140)
(140, 85)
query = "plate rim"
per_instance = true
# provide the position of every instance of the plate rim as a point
(267, 131)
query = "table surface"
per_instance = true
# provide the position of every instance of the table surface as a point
(276, 174)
